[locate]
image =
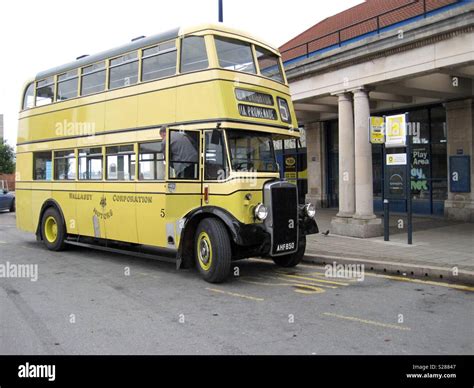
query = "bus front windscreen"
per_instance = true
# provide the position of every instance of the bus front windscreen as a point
(251, 152)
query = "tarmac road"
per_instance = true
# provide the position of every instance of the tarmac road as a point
(90, 302)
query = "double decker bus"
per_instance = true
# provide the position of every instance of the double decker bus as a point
(164, 146)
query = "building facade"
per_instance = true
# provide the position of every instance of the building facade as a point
(380, 58)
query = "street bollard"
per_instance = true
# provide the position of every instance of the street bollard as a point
(386, 220)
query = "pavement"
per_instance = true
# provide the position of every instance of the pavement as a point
(86, 301)
(441, 249)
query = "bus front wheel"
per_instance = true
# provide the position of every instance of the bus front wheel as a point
(212, 250)
(53, 230)
(292, 260)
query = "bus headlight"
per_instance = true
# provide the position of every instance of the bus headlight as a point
(310, 210)
(261, 212)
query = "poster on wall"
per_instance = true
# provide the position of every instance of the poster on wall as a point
(377, 130)
(395, 182)
(395, 131)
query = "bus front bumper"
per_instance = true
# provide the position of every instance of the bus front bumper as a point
(253, 240)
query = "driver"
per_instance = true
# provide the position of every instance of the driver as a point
(184, 155)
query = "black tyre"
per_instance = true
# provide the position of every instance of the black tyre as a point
(212, 250)
(53, 230)
(13, 206)
(289, 261)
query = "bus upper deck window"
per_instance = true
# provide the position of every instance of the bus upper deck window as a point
(29, 96)
(235, 55)
(269, 64)
(93, 79)
(45, 91)
(67, 86)
(123, 71)
(159, 61)
(193, 54)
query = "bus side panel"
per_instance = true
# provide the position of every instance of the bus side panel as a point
(24, 220)
(150, 216)
(91, 210)
(39, 195)
(185, 198)
(121, 113)
(120, 211)
(62, 195)
(201, 101)
(157, 108)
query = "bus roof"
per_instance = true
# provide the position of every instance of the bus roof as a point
(139, 43)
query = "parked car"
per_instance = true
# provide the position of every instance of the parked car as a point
(7, 198)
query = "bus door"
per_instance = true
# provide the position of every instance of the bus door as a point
(184, 180)
(216, 170)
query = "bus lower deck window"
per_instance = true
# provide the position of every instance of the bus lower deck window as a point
(64, 165)
(90, 164)
(121, 163)
(42, 166)
(151, 161)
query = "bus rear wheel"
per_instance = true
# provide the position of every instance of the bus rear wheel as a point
(292, 260)
(53, 230)
(212, 250)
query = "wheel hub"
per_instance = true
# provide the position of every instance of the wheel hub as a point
(204, 251)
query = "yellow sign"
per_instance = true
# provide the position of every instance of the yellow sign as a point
(377, 130)
(396, 131)
(290, 161)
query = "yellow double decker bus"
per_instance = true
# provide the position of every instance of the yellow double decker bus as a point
(164, 146)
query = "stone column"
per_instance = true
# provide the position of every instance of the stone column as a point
(460, 131)
(316, 165)
(341, 223)
(364, 209)
(346, 157)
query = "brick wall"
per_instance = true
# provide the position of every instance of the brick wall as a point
(10, 178)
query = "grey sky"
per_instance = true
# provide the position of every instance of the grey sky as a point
(37, 35)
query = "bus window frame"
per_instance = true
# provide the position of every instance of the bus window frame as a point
(82, 75)
(109, 67)
(53, 84)
(58, 81)
(176, 49)
(168, 156)
(76, 166)
(225, 157)
(87, 157)
(34, 179)
(23, 105)
(132, 152)
(211, 54)
(165, 178)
